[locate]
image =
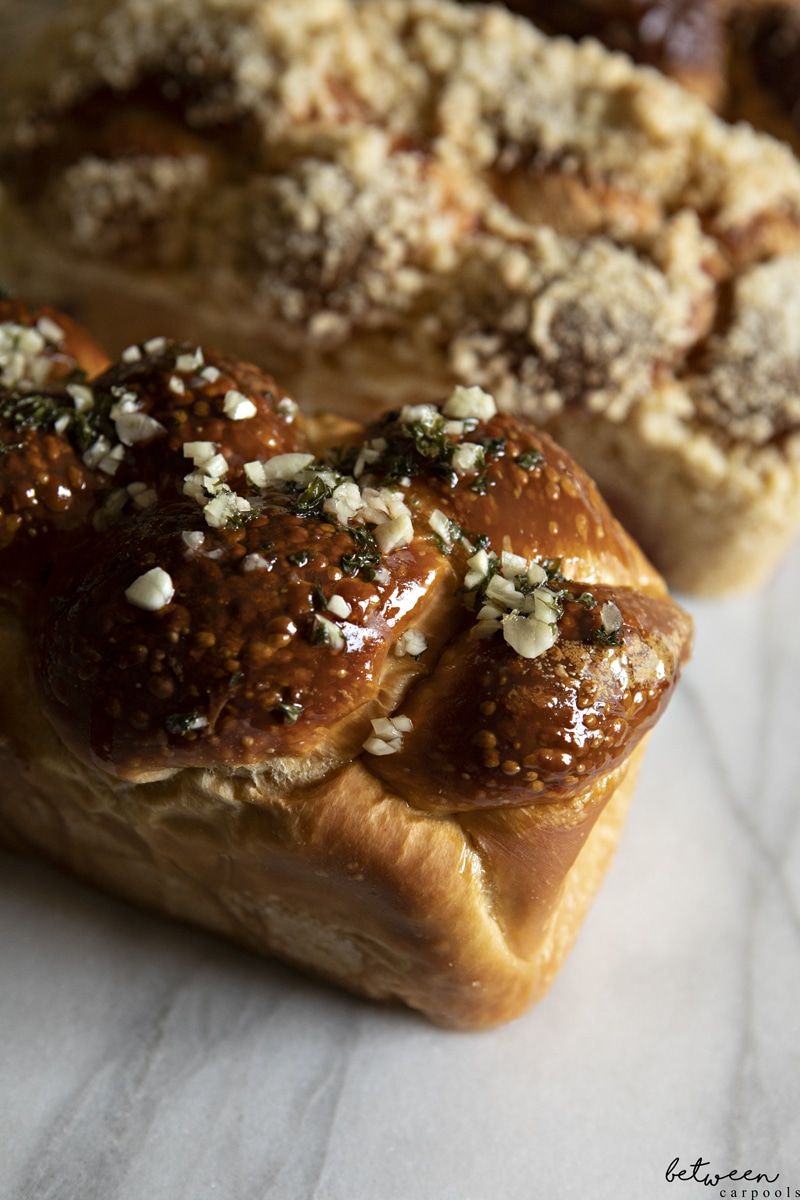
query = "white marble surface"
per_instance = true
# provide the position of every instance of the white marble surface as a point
(143, 1061)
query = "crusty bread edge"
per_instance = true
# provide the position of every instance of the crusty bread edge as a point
(346, 881)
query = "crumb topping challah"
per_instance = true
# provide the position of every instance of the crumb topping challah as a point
(390, 198)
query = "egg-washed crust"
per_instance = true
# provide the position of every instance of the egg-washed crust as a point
(355, 696)
(383, 197)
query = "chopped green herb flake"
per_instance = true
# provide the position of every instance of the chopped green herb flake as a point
(446, 473)
(289, 712)
(365, 558)
(587, 600)
(553, 568)
(529, 459)
(493, 447)
(320, 634)
(429, 437)
(309, 503)
(300, 558)
(559, 595)
(38, 411)
(396, 462)
(607, 637)
(183, 723)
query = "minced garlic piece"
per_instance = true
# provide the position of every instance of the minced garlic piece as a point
(135, 427)
(339, 606)
(411, 642)
(152, 591)
(446, 530)
(466, 402)
(98, 450)
(387, 734)
(255, 562)
(225, 508)
(518, 601)
(281, 468)
(21, 357)
(187, 364)
(288, 408)
(82, 397)
(199, 452)
(51, 332)
(391, 535)
(238, 407)
(329, 632)
(467, 456)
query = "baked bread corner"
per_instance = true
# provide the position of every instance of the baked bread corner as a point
(368, 699)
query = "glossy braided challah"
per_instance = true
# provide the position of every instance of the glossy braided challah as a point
(370, 699)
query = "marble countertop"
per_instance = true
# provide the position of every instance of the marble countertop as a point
(143, 1061)
(140, 1060)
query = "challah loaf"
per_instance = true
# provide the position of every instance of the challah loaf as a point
(385, 199)
(368, 699)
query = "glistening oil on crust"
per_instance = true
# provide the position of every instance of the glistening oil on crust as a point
(243, 637)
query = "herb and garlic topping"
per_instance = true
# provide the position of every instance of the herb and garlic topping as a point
(236, 594)
(44, 486)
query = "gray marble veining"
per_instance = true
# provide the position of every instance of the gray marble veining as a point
(143, 1061)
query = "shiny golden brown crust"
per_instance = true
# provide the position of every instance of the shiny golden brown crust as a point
(44, 486)
(371, 702)
(384, 199)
